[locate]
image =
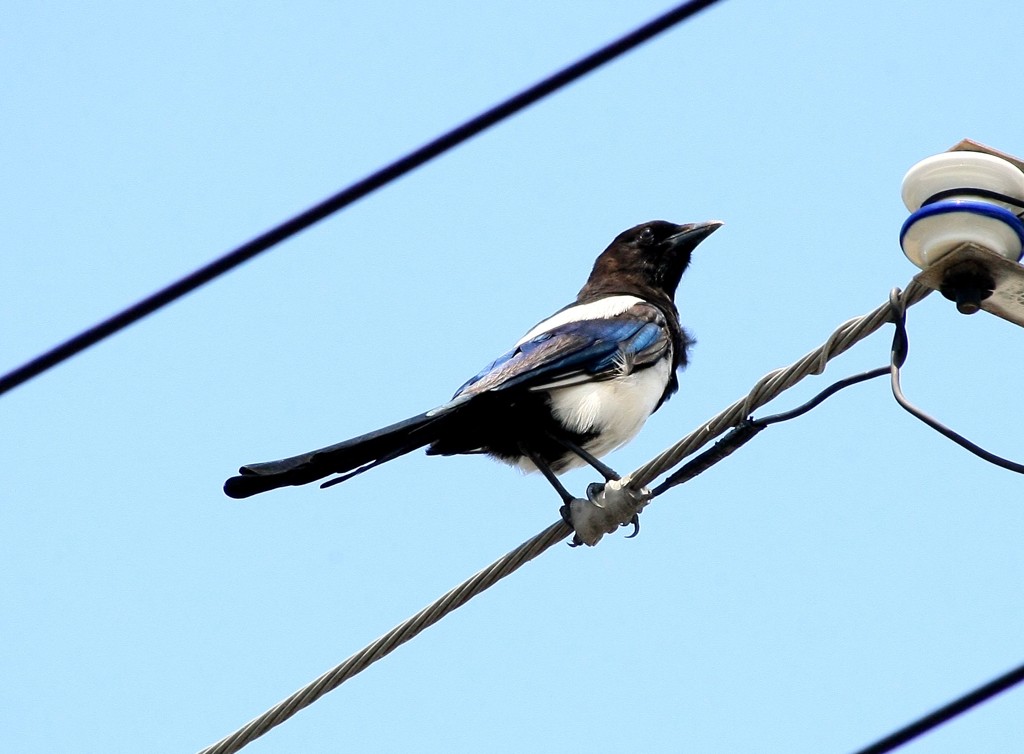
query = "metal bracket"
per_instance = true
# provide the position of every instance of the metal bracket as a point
(1007, 279)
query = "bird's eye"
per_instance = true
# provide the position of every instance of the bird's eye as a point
(646, 237)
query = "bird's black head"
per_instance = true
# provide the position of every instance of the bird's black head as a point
(646, 260)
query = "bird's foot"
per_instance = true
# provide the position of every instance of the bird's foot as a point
(607, 507)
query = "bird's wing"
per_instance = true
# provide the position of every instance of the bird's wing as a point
(578, 351)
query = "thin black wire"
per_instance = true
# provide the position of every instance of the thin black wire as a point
(744, 432)
(900, 345)
(826, 393)
(946, 713)
(353, 193)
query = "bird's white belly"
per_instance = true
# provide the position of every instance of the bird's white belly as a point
(616, 408)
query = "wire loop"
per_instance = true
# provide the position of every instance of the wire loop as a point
(900, 349)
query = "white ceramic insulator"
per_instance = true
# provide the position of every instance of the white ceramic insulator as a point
(931, 238)
(959, 169)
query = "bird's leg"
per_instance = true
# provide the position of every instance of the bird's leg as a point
(566, 510)
(603, 469)
(545, 469)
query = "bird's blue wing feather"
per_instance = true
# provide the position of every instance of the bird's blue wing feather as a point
(587, 349)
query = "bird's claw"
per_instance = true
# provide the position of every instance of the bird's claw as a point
(635, 521)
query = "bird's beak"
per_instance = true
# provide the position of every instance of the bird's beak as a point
(693, 233)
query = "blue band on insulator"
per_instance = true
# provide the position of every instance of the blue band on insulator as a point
(961, 205)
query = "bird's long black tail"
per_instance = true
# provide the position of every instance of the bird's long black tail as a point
(348, 458)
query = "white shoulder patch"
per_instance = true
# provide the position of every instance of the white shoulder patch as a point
(605, 307)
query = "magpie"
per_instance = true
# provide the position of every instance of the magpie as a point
(576, 386)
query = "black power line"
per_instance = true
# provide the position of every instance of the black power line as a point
(946, 713)
(353, 193)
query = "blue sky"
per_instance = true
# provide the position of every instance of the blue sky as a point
(839, 576)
